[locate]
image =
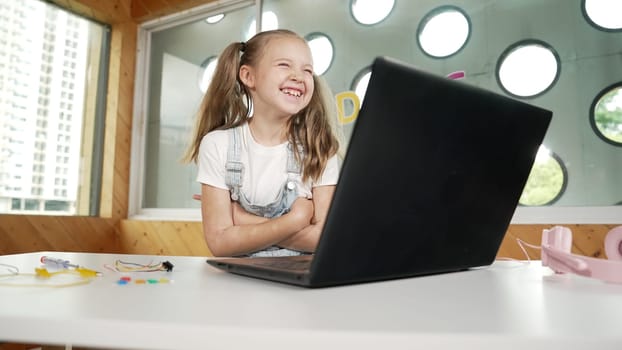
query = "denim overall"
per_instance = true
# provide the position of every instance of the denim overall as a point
(284, 200)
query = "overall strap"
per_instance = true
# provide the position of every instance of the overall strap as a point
(234, 166)
(293, 166)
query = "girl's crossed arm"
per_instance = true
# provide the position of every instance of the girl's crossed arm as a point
(229, 232)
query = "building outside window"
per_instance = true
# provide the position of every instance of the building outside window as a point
(50, 64)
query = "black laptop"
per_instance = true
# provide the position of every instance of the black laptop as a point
(429, 184)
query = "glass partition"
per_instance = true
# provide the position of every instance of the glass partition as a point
(494, 48)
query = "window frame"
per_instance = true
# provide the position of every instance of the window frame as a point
(521, 44)
(592, 23)
(430, 15)
(318, 34)
(357, 21)
(592, 115)
(139, 124)
(562, 190)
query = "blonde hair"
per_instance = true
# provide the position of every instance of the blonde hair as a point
(227, 105)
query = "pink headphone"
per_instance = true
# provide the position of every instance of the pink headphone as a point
(556, 244)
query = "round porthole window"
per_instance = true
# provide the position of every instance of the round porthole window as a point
(269, 21)
(443, 31)
(528, 68)
(606, 114)
(360, 82)
(206, 72)
(603, 14)
(322, 50)
(547, 180)
(370, 12)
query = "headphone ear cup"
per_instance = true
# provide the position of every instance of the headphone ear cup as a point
(613, 244)
(556, 245)
(558, 238)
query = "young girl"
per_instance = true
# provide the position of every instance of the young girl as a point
(266, 149)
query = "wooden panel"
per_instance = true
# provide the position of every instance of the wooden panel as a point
(587, 240)
(146, 10)
(117, 150)
(4, 346)
(186, 238)
(163, 238)
(109, 11)
(22, 233)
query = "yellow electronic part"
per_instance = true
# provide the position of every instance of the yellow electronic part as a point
(43, 273)
(86, 272)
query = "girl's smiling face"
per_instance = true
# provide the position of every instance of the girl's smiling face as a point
(281, 84)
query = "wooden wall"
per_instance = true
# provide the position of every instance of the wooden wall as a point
(113, 232)
(163, 238)
(186, 238)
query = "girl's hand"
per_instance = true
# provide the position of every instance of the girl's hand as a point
(307, 238)
(301, 213)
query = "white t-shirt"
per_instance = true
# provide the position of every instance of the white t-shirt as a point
(265, 168)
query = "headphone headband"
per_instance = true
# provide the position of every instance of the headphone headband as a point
(556, 246)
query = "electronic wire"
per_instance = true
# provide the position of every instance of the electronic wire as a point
(125, 266)
(9, 280)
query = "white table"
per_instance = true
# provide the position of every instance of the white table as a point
(510, 305)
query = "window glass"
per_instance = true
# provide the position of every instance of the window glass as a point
(50, 66)
(606, 114)
(604, 14)
(322, 51)
(206, 72)
(179, 56)
(547, 180)
(443, 31)
(360, 82)
(528, 68)
(269, 21)
(370, 12)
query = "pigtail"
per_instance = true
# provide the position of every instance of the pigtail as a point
(332, 115)
(315, 128)
(226, 102)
